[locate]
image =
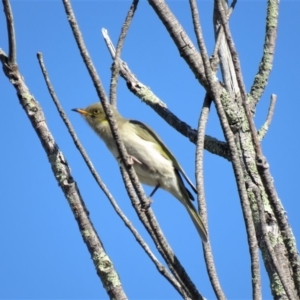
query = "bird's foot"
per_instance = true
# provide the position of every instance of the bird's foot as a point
(131, 160)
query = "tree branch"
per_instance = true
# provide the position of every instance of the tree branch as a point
(263, 130)
(99, 181)
(12, 56)
(261, 164)
(209, 261)
(143, 92)
(116, 63)
(65, 180)
(185, 46)
(208, 255)
(284, 281)
(266, 63)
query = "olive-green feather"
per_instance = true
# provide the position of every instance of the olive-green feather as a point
(148, 134)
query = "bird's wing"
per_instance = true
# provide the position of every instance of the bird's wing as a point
(146, 133)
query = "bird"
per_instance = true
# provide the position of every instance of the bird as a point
(153, 162)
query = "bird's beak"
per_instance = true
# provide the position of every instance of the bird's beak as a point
(81, 111)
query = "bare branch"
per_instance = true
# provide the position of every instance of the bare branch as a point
(224, 55)
(66, 181)
(116, 63)
(128, 75)
(220, 36)
(11, 32)
(106, 276)
(261, 163)
(284, 281)
(185, 46)
(145, 94)
(132, 183)
(234, 54)
(210, 266)
(195, 18)
(83, 51)
(281, 217)
(266, 64)
(239, 175)
(208, 256)
(263, 130)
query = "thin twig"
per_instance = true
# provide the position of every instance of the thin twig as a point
(163, 246)
(208, 256)
(145, 94)
(129, 77)
(266, 63)
(116, 63)
(195, 18)
(11, 32)
(210, 266)
(97, 178)
(263, 130)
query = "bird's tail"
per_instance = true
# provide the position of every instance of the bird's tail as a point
(196, 220)
(185, 197)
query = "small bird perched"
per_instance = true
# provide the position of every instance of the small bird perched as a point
(153, 162)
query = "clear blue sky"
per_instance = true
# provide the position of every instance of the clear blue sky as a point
(42, 255)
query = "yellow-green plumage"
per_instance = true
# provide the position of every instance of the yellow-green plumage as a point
(152, 160)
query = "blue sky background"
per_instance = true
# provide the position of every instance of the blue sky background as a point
(42, 255)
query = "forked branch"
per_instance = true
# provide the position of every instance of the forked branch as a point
(144, 93)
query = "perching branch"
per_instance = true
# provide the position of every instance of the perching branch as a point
(99, 181)
(133, 185)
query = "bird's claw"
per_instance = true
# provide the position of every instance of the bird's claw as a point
(130, 161)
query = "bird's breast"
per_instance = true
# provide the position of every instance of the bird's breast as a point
(150, 165)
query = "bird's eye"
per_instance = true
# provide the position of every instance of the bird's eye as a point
(96, 111)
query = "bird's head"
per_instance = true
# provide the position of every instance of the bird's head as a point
(94, 114)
